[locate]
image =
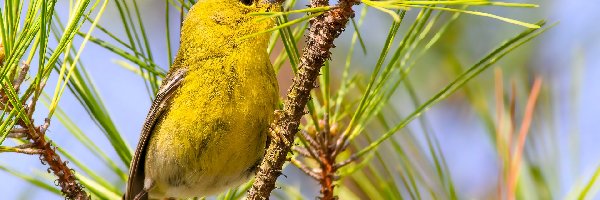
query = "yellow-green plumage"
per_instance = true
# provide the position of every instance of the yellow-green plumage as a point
(209, 132)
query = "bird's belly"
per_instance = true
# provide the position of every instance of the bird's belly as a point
(205, 185)
(207, 156)
(196, 164)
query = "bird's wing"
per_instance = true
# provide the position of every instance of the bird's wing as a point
(135, 183)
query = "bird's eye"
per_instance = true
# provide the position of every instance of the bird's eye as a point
(246, 2)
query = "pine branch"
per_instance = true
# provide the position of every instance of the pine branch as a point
(324, 29)
(71, 189)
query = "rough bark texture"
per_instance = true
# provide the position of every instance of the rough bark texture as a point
(66, 177)
(323, 31)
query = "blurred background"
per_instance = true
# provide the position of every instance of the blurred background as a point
(563, 138)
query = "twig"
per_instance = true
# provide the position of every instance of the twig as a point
(17, 135)
(19, 130)
(345, 162)
(70, 188)
(66, 178)
(322, 32)
(25, 146)
(306, 152)
(311, 172)
(30, 151)
(17, 82)
(20, 133)
(309, 138)
(341, 144)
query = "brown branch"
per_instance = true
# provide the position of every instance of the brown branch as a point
(345, 162)
(18, 134)
(70, 188)
(309, 138)
(323, 31)
(309, 153)
(22, 74)
(310, 172)
(323, 149)
(327, 177)
(66, 177)
(25, 146)
(18, 149)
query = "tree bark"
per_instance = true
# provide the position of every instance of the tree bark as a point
(324, 29)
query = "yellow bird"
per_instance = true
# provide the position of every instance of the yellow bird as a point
(207, 128)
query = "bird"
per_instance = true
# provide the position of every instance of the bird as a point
(207, 128)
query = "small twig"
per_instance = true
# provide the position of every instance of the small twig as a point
(309, 138)
(326, 126)
(25, 146)
(17, 149)
(19, 130)
(36, 96)
(306, 152)
(66, 179)
(21, 133)
(70, 188)
(323, 141)
(310, 172)
(17, 135)
(340, 145)
(17, 82)
(345, 162)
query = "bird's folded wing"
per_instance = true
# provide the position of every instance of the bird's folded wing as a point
(135, 183)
